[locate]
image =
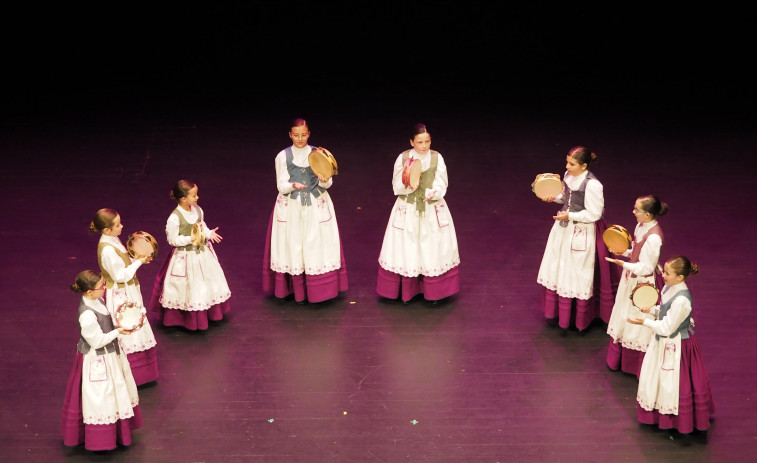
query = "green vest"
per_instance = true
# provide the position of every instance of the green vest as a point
(109, 282)
(185, 229)
(426, 181)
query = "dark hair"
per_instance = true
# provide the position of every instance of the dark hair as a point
(86, 281)
(299, 122)
(419, 129)
(181, 189)
(582, 154)
(683, 266)
(653, 205)
(103, 219)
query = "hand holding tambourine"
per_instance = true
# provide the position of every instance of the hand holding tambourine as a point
(547, 186)
(142, 246)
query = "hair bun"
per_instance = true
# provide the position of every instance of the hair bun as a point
(663, 208)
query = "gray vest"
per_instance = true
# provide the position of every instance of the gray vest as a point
(683, 329)
(106, 325)
(574, 200)
(304, 175)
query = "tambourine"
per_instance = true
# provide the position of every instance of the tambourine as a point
(130, 316)
(323, 163)
(198, 234)
(645, 295)
(617, 238)
(411, 173)
(142, 244)
(547, 185)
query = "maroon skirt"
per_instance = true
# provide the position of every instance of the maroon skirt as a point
(94, 436)
(144, 365)
(190, 319)
(313, 288)
(695, 402)
(624, 359)
(392, 285)
(606, 279)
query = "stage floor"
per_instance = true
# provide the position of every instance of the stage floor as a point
(479, 377)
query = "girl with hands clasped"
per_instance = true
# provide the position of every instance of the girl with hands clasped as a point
(629, 342)
(190, 288)
(674, 387)
(569, 264)
(101, 405)
(121, 283)
(303, 252)
(419, 254)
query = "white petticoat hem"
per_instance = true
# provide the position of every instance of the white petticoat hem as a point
(414, 272)
(110, 419)
(308, 271)
(649, 408)
(138, 347)
(194, 306)
(563, 292)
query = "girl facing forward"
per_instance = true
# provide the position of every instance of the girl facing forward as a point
(674, 387)
(190, 289)
(571, 263)
(628, 343)
(101, 405)
(120, 274)
(419, 254)
(303, 252)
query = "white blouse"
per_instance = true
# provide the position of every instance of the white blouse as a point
(112, 262)
(438, 187)
(679, 310)
(173, 223)
(299, 158)
(650, 252)
(90, 329)
(594, 199)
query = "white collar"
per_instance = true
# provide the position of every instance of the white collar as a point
(113, 240)
(96, 305)
(648, 225)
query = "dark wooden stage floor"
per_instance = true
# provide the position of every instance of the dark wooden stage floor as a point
(479, 377)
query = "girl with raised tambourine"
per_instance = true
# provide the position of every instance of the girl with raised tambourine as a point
(101, 404)
(629, 342)
(419, 254)
(303, 251)
(119, 270)
(674, 387)
(190, 289)
(569, 267)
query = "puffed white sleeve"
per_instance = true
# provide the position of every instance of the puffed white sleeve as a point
(680, 308)
(441, 181)
(648, 257)
(114, 265)
(172, 233)
(397, 185)
(594, 203)
(282, 174)
(92, 333)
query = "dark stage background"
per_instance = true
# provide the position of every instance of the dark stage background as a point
(108, 108)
